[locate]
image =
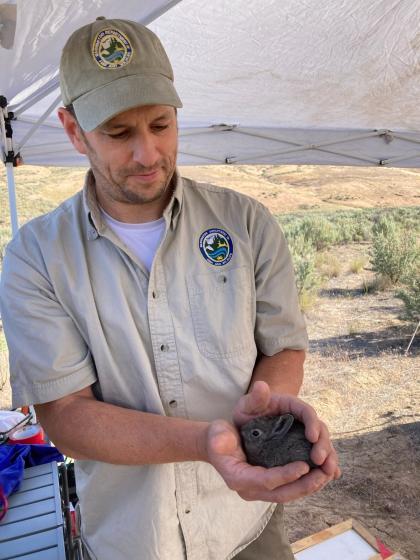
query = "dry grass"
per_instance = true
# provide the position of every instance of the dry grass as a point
(357, 265)
(354, 393)
(328, 265)
(307, 300)
(378, 283)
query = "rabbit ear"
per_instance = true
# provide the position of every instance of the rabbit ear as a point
(283, 425)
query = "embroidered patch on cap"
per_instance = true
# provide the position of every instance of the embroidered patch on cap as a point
(111, 49)
(216, 246)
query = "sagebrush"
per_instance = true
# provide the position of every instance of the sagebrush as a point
(410, 295)
(394, 250)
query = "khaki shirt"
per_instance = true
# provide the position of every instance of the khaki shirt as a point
(80, 309)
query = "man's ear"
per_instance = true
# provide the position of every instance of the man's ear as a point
(72, 129)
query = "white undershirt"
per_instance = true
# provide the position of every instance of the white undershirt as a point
(142, 239)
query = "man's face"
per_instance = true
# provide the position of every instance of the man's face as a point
(133, 158)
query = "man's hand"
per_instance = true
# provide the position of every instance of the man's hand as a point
(262, 402)
(278, 484)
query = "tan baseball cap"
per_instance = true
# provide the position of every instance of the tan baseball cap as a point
(113, 65)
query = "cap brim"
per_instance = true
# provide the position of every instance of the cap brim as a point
(103, 103)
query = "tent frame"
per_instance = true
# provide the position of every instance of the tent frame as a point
(387, 135)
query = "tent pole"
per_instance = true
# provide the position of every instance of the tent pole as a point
(10, 159)
(12, 197)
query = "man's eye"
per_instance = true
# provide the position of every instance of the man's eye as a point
(159, 127)
(118, 135)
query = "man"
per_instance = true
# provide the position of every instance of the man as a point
(148, 317)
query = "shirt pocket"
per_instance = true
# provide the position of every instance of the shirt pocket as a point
(222, 313)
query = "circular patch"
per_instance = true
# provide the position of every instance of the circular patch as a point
(216, 246)
(111, 49)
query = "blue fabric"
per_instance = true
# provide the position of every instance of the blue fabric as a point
(14, 458)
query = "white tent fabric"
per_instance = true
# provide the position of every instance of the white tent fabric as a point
(262, 81)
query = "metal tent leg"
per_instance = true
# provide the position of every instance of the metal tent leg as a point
(12, 197)
(9, 157)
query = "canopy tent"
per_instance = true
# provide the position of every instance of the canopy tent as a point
(262, 81)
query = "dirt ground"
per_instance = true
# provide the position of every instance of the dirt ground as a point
(368, 391)
(357, 374)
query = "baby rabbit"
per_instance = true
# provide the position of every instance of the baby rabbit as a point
(271, 441)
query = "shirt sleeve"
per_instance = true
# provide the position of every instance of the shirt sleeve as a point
(48, 357)
(280, 324)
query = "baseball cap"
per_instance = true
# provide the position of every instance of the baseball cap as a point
(112, 65)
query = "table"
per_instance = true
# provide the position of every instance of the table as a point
(33, 527)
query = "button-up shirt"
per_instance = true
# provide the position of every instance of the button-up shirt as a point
(80, 309)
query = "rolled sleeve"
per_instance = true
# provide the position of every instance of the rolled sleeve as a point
(279, 321)
(48, 357)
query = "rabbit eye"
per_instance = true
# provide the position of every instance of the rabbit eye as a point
(256, 433)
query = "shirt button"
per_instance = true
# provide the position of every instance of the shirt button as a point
(154, 295)
(222, 279)
(187, 511)
(173, 403)
(164, 347)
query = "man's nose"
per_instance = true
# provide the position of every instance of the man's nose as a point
(145, 150)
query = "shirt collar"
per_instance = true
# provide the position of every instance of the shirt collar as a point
(173, 210)
(94, 220)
